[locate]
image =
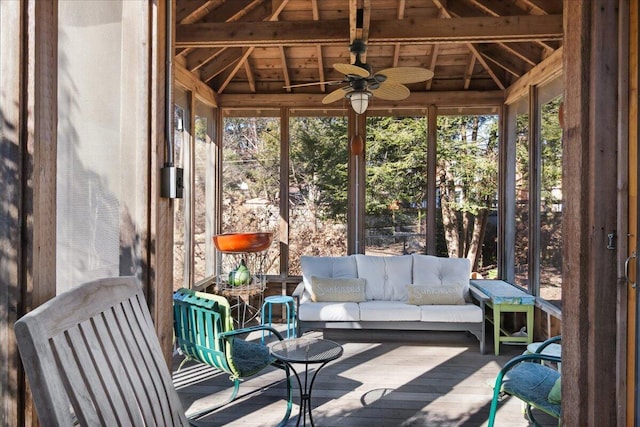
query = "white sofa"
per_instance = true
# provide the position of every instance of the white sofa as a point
(331, 294)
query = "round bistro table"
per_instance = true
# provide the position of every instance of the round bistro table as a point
(306, 351)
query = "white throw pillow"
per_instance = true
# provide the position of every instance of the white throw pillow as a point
(340, 267)
(325, 289)
(432, 270)
(435, 295)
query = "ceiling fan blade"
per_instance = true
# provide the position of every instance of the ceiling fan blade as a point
(351, 69)
(336, 95)
(391, 91)
(406, 74)
(332, 82)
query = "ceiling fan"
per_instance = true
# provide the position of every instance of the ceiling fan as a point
(360, 85)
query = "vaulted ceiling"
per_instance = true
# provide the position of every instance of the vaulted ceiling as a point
(253, 48)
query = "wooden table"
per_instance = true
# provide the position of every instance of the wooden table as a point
(503, 297)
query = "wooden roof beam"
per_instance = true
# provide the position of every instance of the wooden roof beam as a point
(435, 30)
(316, 17)
(463, 98)
(359, 30)
(396, 47)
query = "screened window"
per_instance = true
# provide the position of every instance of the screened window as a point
(102, 140)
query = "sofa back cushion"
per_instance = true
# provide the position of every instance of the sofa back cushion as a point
(387, 277)
(430, 270)
(340, 267)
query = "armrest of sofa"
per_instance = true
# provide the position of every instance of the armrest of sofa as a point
(300, 294)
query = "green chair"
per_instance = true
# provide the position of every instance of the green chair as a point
(204, 333)
(536, 384)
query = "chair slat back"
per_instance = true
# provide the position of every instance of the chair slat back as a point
(93, 353)
(199, 319)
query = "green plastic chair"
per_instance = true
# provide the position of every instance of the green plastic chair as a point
(529, 382)
(204, 332)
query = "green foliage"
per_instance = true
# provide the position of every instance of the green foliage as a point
(468, 154)
(319, 155)
(396, 163)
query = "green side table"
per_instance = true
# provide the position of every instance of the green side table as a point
(503, 297)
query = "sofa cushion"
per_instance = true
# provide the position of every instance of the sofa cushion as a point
(427, 295)
(325, 289)
(329, 312)
(387, 277)
(393, 311)
(451, 313)
(438, 271)
(340, 267)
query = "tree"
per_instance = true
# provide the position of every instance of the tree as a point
(467, 172)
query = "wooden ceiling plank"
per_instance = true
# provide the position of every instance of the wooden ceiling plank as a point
(231, 11)
(249, 51)
(502, 8)
(495, 7)
(524, 53)
(504, 59)
(200, 57)
(225, 60)
(292, 33)
(542, 7)
(197, 58)
(446, 14)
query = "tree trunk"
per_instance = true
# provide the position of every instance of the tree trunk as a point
(449, 218)
(477, 237)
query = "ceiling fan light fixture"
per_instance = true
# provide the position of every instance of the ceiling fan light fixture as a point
(359, 100)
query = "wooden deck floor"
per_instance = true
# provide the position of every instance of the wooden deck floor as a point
(419, 379)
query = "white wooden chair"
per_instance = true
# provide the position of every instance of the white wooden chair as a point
(92, 358)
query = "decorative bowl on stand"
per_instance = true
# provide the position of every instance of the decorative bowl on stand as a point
(243, 242)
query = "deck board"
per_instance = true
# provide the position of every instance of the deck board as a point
(417, 379)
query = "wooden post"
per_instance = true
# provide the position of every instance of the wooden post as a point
(432, 147)
(589, 285)
(356, 185)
